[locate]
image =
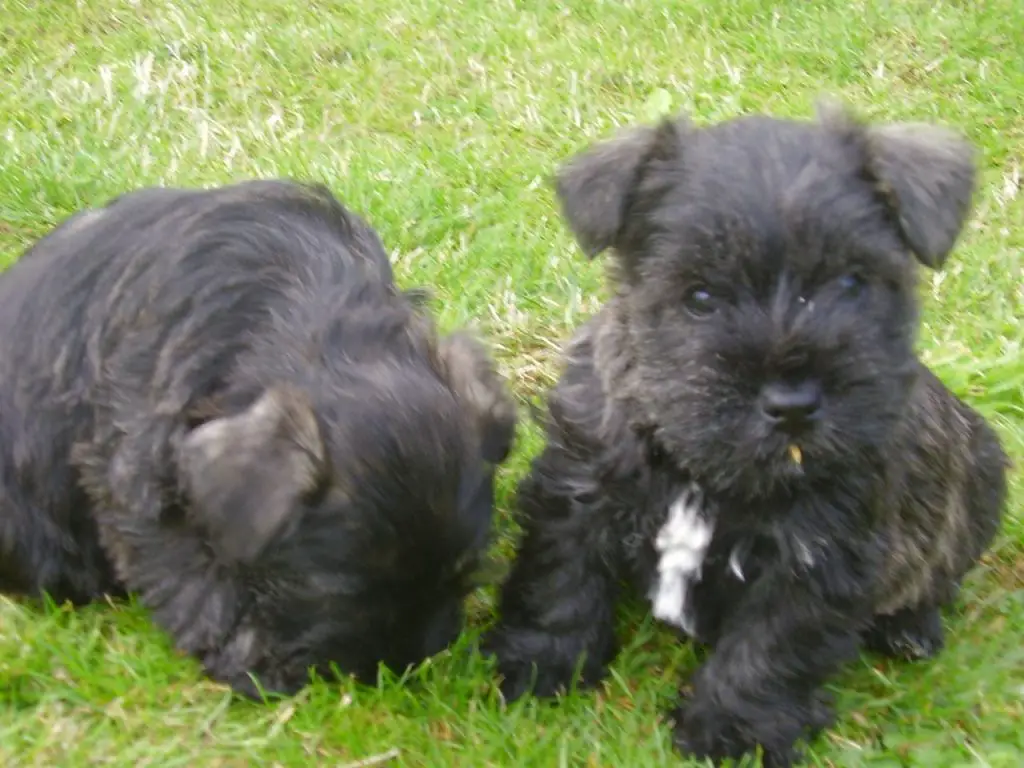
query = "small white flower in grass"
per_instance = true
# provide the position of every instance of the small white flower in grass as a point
(107, 79)
(1011, 185)
(143, 69)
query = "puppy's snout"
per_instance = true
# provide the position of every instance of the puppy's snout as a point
(791, 406)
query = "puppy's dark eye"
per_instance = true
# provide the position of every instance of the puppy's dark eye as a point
(851, 284)
(700, 302)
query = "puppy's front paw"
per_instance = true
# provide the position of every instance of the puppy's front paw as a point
(911, 634)
(539, 663)
(705, 731)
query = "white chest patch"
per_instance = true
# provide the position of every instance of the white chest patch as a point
(682, 544)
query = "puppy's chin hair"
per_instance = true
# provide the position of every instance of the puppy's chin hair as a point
(758, 469)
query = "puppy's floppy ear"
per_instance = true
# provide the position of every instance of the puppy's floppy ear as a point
(928, 174)
(470, 372)
(595, 187)
(243, 474)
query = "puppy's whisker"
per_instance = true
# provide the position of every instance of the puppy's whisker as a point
(735, 564)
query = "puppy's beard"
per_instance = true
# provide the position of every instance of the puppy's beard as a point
(682, 542)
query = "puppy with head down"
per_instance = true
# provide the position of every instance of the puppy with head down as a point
(744, 431)
(219, 400)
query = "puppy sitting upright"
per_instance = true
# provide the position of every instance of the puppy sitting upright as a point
(220, 401)
(744, 430)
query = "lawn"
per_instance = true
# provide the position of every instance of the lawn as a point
(442, 122)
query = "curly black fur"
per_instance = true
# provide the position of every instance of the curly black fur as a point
(755, 373)
(219, 400)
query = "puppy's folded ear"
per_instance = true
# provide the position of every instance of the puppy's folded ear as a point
(928, 174)
(245, 474)
(470, 372)
(595, 187)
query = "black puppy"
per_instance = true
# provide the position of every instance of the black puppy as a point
(744, 431)
(220, 401)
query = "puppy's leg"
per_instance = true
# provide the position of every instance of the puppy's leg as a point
(763, 684)
(954, 493)
(48, 540)
(911, 633)
(557, 606)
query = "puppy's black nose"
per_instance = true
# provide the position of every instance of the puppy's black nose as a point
(791, 404)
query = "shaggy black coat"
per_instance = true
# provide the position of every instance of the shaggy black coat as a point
(754, 373)
(220, 401)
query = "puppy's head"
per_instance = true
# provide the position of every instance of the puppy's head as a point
(766, 270)
(355, 515)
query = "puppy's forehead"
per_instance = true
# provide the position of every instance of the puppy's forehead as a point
(763, 196)
(752, 157)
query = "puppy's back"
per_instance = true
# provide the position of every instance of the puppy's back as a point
(223, 259)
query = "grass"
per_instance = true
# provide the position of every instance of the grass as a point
(442, 122)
